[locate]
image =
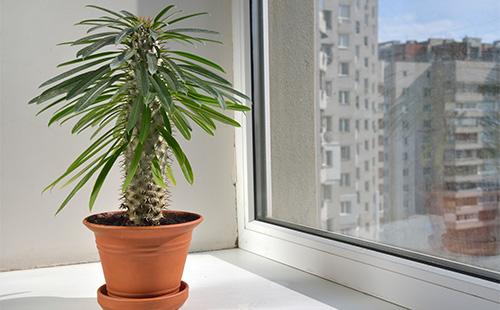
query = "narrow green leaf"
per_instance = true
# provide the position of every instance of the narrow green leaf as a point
(122, 35)
(193, 30)
(206, 73)
(122, 58)
(157, 173)
(142, 79)
(185, 17)
(170, 174)
(162, 91)
(219, 116)
(78, 60)
(135, 113)
(179, 155)
(181, 124)
(105, 10)
(72, 71)
(86, 51)
(132, 169)
(87, 81)
(102, 175)
(152, 63)
(145, 123)
(198, 59)
(162, 13)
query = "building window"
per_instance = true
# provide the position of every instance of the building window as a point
(329, 88)
(344, 12)
(365, 41)
(344, 69)
(356, 76)
(328, 158)
(345, 208)
(343, 40)
(327, 15)
(327, 123)
(427, 92)
(344, 97)
(327, 192)
(344, 125)
(345, 179)
(358, 27)
(366, 62)
(345, 152)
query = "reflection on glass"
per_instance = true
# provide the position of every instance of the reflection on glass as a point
(408, 137)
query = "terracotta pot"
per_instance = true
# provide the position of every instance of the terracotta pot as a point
(143, 261)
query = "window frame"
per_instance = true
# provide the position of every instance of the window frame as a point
(392, 276)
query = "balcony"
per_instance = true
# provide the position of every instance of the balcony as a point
(323, 100)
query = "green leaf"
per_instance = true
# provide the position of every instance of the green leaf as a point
(105, 10)
(157, 173)
(179, 155)
(152, 63)
(145, 123)
(166, 121)
(170, 174)
(135, 113)
(181, 124)
(219, 116)
(185, 17)
(132, 169)
(193, 30)
(198, 59)
(162, 91)
(142, 79)
(73, 71)
(122, 35)
(91, 95)
(71, 62)
(162, 13)
(122, 58)
(78, 186)
(207, 126)
(102, 175)
(87, 81)
(206, 73)
(86, 51)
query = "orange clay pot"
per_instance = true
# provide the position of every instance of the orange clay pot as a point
(143, 262)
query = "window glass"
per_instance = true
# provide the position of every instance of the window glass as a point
(396, 140)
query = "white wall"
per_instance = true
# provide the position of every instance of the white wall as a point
(31, 154)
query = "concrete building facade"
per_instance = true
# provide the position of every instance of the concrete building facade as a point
(442, 138)
(349, 103)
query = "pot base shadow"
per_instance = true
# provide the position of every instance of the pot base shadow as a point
(165, 302)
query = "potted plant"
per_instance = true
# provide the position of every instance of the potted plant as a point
(139, 95)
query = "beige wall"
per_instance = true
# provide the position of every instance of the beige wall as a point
(32, 155)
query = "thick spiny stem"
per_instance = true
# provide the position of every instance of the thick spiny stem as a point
(144, 200)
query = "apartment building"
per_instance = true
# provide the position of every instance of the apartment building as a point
(442, 145)
(350, 113)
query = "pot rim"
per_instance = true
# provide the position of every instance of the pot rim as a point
(101, 227)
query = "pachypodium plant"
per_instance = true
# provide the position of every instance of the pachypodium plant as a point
(138, 94)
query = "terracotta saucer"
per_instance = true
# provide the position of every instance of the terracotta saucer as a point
(165, 302)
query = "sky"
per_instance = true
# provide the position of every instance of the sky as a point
(422, 19)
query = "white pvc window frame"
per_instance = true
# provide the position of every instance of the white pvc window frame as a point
(401, 281)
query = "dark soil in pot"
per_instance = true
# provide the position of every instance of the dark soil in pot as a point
(121, 219)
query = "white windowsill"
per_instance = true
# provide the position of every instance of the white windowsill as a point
(229, 279)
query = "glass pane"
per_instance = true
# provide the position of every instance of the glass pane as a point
(383, 123)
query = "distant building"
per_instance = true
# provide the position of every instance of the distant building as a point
(442, 138)
(350, 102)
